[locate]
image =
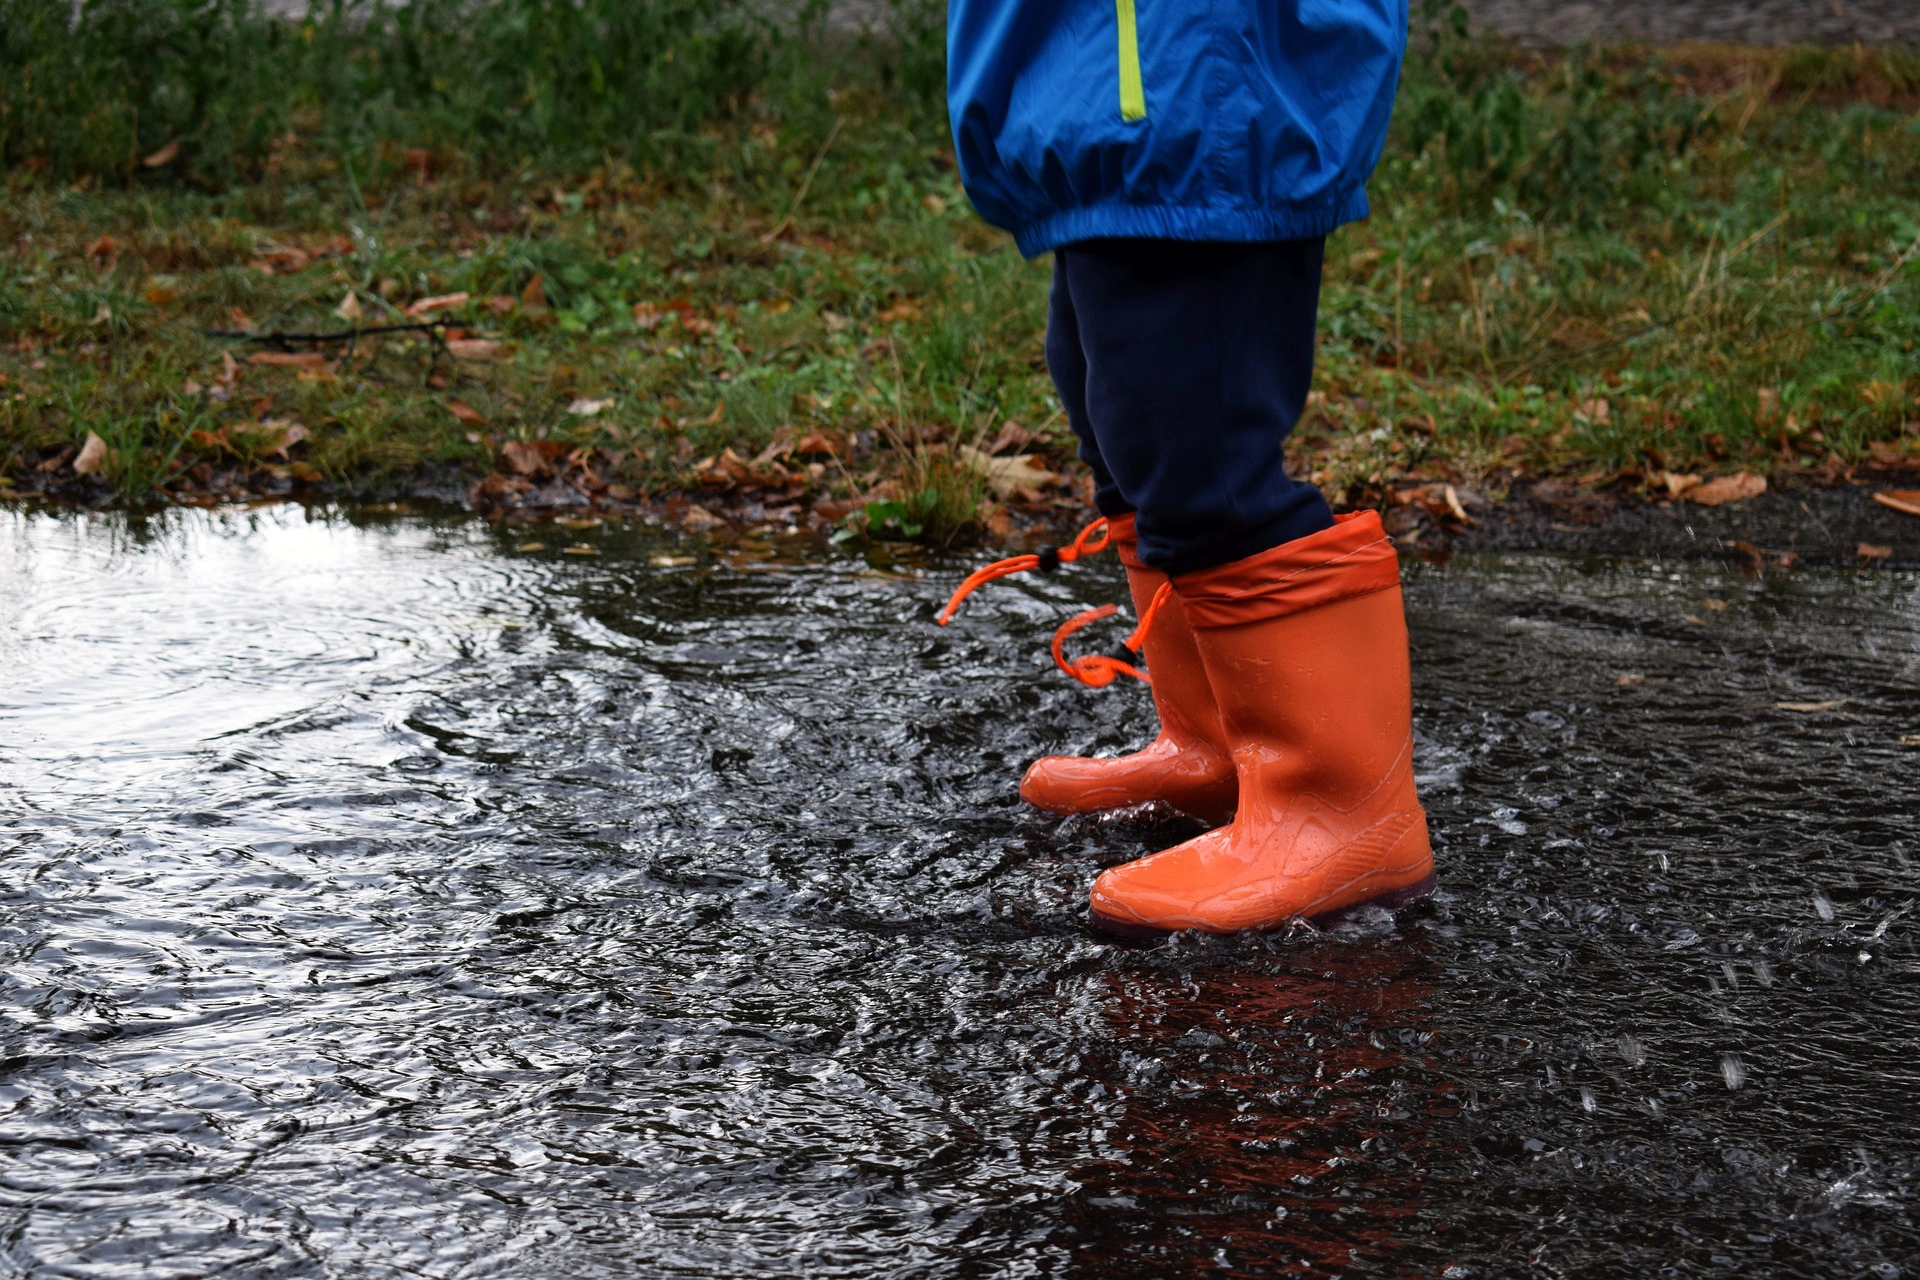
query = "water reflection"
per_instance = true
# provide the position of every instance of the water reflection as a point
(1273, 1111)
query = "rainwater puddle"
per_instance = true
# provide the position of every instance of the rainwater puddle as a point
(379, 900)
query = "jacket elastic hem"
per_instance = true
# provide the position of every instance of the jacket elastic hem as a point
(1188, 222)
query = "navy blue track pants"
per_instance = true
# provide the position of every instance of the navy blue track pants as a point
(1182, 367)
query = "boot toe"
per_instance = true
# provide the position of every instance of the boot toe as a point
(1195, 782)
(1153, 895)
(1060, 784)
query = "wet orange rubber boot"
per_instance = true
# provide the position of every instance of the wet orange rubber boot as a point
(1306, 649)
(1187, 766)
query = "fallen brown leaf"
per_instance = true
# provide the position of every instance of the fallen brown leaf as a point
(1676, 483)
(349, 308)
(1012, 438)
(1905, 501)
(427, 306)
(283, 258)
(1453, 506)
(474, 348)
(1007, 475)
(534, 296)
(289, 359)
(165, 155)
(1755, 564)
(93, 456)
(531, 457)
(466, 413)
(1832, 704)
(284, 436)
(1725, 489)
(1868, 551)
(647, 317)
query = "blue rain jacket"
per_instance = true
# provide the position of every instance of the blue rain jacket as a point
(1241, 120)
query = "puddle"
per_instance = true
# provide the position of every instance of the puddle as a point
(378, 900)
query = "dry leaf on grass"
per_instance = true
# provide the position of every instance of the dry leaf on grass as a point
(531, 457)
(1733, 488)
(281, 258)
(589, 408)
(1007, 475)
(1905, 501)
(92, 456)
(349, 308)
(1832, 704)
(648, 317)
(466, 413)
(282, 436)
(474, 348)
(165, 155)
(1676, 482)
(1012, 438)
(427, 306)
(1454, 508)
(289, 359)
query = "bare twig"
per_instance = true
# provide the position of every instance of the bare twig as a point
(806, 184)
(282, 338)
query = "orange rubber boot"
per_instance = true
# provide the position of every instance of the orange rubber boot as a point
(1187, 766)
(1306, 647)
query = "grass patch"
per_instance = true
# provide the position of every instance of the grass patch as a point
(762, 286)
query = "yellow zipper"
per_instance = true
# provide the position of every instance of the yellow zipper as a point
(1133, 98)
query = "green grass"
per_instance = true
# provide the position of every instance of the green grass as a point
(1590, 266)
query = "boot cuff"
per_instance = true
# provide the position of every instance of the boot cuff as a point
(1352, 558)
(1126, 542)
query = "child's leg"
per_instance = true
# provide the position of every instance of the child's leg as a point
(1183, 367)
(1067, 362)
(1187, 765)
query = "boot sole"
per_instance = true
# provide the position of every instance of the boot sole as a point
(1392, 900)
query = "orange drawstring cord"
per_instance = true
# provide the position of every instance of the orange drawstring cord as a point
(1092, 539)
(1098, 670)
